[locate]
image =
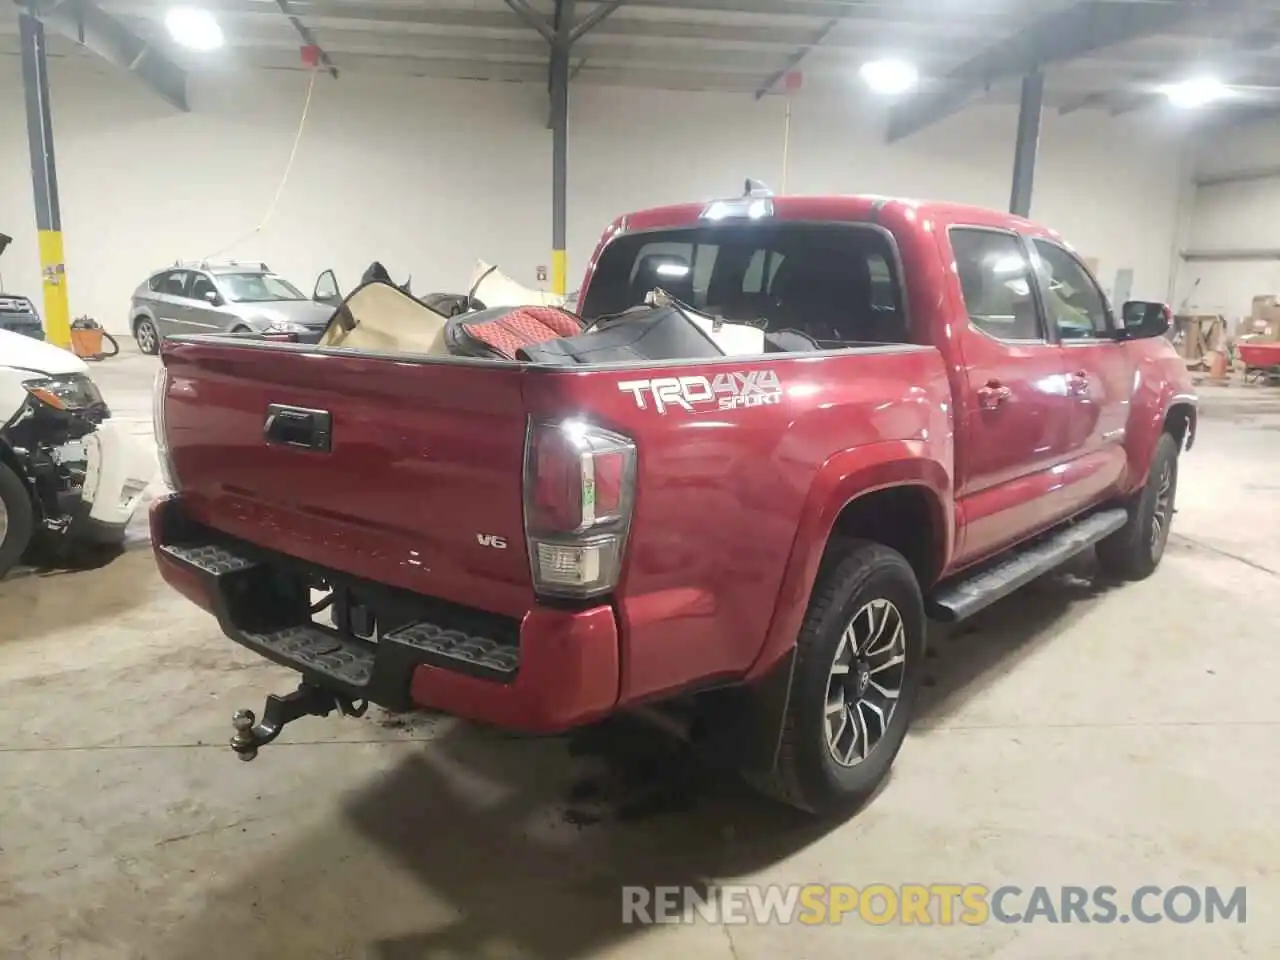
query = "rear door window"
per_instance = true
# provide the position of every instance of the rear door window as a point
(838, 283)
(175, 283)
(996, 281)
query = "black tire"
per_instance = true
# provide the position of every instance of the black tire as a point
(1134, 551)
(17, 521)
(808, 773)
(147, 336)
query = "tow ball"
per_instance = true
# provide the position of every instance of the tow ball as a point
(306, 701)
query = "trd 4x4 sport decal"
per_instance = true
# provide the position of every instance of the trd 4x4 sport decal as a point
(725, 391)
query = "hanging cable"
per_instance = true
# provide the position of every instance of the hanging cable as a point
(284, 179)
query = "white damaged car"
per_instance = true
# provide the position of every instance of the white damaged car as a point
(67, 470)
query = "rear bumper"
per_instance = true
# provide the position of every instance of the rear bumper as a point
(554, 670)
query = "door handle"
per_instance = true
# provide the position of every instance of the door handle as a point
(1078, 383)
(993, 394)
(298, 427)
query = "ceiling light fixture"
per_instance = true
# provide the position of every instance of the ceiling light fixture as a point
(1195, 92)
(193, 28)
(889, 77)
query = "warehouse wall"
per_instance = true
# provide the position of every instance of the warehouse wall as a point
(1233, 216)
(427, 175)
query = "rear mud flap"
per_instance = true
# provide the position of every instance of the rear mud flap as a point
(741, 726)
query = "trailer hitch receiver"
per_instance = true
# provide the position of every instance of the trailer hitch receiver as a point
(307, 701)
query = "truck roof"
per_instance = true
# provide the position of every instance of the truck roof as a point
(839, 207)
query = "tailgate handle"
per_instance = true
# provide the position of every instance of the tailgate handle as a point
(298, 427)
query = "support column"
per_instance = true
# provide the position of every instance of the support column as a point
(44, 180)
(559, 165)
(560, 46)
(1024, 156)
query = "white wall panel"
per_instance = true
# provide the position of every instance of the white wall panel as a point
(1233, 216)
(429, 175)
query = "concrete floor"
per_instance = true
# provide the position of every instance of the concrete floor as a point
(1073, 735)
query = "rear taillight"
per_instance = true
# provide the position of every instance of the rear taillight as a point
(579, 488)
(158, 394)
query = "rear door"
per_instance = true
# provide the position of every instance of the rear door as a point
(1017, 413)
(1099, 369)
(170, 300)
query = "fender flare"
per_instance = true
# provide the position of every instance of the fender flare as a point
(1151, 425)
(142, 313)
(841, 480)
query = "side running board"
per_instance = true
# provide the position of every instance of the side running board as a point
(959, 599)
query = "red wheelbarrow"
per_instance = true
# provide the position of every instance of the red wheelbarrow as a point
(1261, 359)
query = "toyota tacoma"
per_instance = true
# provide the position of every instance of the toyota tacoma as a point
(753, 540)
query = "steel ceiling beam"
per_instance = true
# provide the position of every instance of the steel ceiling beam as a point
(533, 19)
(1056, 37)
(307, 36)
(96, 30)
(593, 19)
(793, 61)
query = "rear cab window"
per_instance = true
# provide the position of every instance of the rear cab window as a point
(997, 284)
(837, 283)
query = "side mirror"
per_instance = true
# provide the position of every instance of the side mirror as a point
(213, 298)
(1144, 319)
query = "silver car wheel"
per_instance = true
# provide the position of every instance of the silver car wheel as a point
(146, 336)
(865, 682)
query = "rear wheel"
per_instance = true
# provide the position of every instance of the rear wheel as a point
(859, 662)
(16, 519)
(1134, 551)
(144, 331)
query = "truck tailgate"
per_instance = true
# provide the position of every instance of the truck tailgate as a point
(417, 484)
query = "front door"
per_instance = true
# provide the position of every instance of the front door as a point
(204, 312)
(1099, 370)
(326, 289)
(1016, 411)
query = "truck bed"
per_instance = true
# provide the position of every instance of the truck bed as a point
(422, 475)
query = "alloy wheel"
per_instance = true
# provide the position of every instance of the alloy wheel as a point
(146, 336)
(865, 682)
(1163, 513)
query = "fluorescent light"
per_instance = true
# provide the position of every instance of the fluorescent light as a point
(193, 28)
(889, 76)
(1195, 92)
(672, 270)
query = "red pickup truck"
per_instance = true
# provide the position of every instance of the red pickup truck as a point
(755, 539)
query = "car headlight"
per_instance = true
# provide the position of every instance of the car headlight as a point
(73, 392)
(285, 326)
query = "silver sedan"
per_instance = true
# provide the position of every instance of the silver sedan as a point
(224, 298)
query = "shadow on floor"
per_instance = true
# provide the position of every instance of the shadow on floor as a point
(965, 658)
(499, 846)
(103, 586)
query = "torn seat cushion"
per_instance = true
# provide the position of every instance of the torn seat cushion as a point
(501, 331)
